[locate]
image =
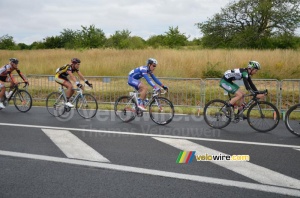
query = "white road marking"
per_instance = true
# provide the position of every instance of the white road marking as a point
(152, 135)
(72, 146)
(201, 179)
(247, 169)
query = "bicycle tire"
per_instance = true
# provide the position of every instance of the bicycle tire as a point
(161, 110)
(292, 120)
(22, 101)
(265, 120)
(86, 106)
(125, 108)
(55, 104)
(214, 116)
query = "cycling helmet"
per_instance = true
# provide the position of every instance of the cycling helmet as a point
(14, 60)
(254, 65)
(75, 60)
(151, 61)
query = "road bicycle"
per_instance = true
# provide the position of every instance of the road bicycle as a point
(22, 99)
(85, 104)
(262, 116)
(161, 110)
(292, 119)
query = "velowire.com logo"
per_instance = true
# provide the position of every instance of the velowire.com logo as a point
(186, 157)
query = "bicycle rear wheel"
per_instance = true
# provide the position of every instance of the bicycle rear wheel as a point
(86, 106)
(125, 108)
(22, 101)
(292, 120)
(214, 116)
(161, 110)
(263, 116)
(55, 104)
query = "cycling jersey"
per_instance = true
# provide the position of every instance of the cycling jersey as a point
(4, 70)
(63, 71)
(236, 74)
(136, 74)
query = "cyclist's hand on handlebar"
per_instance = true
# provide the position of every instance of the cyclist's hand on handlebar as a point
(89, 84)
(156, 89)
(165, 87)
(26, 83)
(79, 86)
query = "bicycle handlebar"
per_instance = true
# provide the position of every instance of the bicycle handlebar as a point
(160, 91)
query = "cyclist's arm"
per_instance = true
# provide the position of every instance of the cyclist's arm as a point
(156, 80)
(80, 75)
(72, 77)
(148, 79)
(251, 84)
(11, 76)
(21, 75)
(246, 77)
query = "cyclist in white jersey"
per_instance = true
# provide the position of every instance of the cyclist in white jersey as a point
(142, 72)
(6, 76)
(237, 74)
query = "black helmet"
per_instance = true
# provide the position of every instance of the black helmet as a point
(75, 60)
(14, 60)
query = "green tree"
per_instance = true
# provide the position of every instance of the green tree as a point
(53, 42)
(119, 40)
(174, 38)
(91, 37)
(7, 42)
(250, 23)
(69, 38)
(156, 41)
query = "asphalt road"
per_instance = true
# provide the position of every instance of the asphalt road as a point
(44, 156)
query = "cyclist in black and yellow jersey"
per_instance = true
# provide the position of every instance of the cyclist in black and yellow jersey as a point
(61, 77)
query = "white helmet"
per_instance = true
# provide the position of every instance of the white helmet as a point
(254, 65)
(151, 61)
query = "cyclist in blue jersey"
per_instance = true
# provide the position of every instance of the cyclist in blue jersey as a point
(237, 74)
(142, 72)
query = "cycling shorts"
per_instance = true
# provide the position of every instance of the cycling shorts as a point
(134, 82)
(3, 78)
(61, 79)
(230, 87)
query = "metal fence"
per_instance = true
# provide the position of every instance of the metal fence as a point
(189, 92)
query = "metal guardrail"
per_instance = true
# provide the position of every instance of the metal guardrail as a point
(188, 92)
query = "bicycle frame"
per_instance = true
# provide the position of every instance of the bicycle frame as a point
(79, 93)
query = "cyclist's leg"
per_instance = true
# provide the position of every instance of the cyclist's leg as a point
(138, 85)
(232, 89)
(66, 83)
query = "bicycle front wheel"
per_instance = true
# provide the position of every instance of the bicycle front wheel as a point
(22, 101)
(86, 106)
(55, 104)
(125, 108)
(214, 116)
(292, 120)
(263, 116)
(161, 110)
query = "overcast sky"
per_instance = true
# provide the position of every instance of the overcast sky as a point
(32, 20)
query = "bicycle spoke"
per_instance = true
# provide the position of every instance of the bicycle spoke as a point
(86, 106)
(263, 116)
(55, 104)
(161, 111)
(214, 116)
(22, 100)
(292, 120)
(125, 108)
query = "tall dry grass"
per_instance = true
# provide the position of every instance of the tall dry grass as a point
(172, 63)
